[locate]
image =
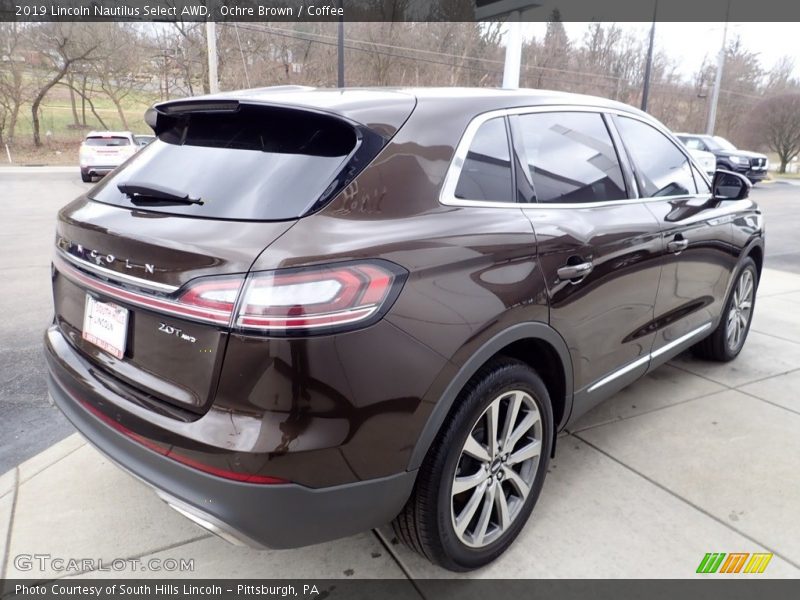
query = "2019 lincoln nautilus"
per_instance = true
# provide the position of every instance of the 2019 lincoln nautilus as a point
(303, 313)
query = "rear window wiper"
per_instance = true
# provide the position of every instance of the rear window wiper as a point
(148, 192)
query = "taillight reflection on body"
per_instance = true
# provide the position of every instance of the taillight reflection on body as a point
(170, 452)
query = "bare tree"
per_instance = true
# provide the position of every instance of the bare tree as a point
(13, 89)
(63, 44)
(118, 73)
(775, 122)
(555, 52)
(741, 79)
(779, 78)
(191, 54)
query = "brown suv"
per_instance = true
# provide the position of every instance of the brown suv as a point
(299, 314)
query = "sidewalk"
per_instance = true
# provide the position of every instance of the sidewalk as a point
(695, 458)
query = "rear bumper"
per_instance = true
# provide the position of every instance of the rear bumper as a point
(276, 516)
(101, 170)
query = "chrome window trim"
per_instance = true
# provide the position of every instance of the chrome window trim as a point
(675, 142)
(447, 193)
(115, 275)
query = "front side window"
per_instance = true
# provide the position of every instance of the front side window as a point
(661, 168)
(571, 157)
(486, 174)
(702, 185)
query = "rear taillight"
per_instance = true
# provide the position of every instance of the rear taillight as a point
(306, 300)
(85, 153)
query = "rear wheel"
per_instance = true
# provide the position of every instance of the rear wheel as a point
(86, 177)
(483, 474)
(727, 340)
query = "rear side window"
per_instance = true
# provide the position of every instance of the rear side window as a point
(252, 163)
(486, 174)
(571, 158)
(661, 169)
(107, 141)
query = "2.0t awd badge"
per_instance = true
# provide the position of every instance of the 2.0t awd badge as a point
(178, 333)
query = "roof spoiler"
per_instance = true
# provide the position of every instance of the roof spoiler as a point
(174, 109)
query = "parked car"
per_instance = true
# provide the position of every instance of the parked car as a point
(103, 151)
(705, 160)
(303, 314)
(144, 140)
(750, 164)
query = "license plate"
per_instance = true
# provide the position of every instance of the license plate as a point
(105, 325)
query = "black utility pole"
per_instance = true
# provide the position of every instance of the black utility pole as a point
(341, 48)
(649, 65)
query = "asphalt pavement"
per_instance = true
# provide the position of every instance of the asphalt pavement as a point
(780, 202)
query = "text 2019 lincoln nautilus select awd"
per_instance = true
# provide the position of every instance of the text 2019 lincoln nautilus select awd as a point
(299, 314)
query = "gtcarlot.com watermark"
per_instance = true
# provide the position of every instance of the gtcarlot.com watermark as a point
(48, 562)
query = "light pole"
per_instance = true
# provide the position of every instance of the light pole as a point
(712, 109)
(211, 46)
(494, 10)
(340, 48)
(649, 64)
(513, 58)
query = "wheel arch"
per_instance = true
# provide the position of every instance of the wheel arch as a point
(536, 344)
(756, 251)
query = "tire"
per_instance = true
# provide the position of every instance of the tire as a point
(85, 177)
(724, 344)
(427, 523)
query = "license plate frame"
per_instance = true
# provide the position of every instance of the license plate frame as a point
(105, 325)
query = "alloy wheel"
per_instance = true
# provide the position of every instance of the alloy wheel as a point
(496, 469)
(741, 310)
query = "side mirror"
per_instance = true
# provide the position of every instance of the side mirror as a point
(730, 186)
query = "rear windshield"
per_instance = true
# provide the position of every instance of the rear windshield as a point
(107, 141)
(257, 163)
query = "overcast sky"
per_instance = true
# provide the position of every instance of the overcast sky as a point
(690, 43)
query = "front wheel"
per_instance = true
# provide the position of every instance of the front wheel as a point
(727, 340)
(483, 474)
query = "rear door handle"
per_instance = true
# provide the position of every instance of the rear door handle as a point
(573, 272)
(678, 244)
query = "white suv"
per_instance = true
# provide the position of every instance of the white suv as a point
(103, 151)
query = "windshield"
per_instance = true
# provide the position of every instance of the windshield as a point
(253, 163)
(719, 143)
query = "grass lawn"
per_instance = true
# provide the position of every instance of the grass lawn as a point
(61, 146)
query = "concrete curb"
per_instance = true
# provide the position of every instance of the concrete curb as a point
(32, 170)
